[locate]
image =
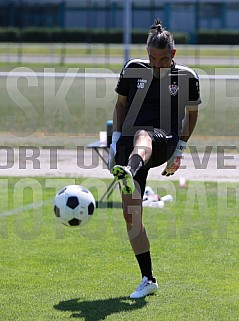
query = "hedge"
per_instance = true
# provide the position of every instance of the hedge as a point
(9, 34)
(47, 35)
(218, 37)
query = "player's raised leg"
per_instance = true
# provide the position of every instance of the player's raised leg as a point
(140, 155)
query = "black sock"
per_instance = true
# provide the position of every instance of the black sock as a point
(145, 264)
(135, 163)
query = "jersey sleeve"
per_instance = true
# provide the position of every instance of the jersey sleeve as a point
(194, 90)
(122, 87)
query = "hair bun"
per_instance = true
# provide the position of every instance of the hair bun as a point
(157, 26)
(159, 37)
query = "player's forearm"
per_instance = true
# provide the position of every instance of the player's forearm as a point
(118, 117)
(189, 124)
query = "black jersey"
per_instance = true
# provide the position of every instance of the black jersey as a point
(157, 103)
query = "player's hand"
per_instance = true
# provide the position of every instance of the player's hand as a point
(175, 160)
(112, 152)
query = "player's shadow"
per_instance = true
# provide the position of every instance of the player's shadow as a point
(98, 310)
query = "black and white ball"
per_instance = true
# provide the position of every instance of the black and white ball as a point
(74, 205)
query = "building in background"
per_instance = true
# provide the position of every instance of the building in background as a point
(181, 16)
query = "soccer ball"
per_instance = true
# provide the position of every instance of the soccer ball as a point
(74, 205)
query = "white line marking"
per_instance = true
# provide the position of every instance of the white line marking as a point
(95, 75)
(19, 210)
(58, 74)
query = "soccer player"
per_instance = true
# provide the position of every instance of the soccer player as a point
(154, 116)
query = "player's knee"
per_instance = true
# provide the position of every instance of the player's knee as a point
(141, 133)
(142, 138)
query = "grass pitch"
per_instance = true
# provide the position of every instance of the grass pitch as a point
(79, 107)
(49, 272)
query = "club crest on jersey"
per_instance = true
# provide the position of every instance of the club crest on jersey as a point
(141, 82)
(173, 89)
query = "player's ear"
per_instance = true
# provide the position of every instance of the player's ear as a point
(173, 53)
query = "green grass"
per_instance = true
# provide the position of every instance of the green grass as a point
(49, 272)
(115, 50)
(79, 108)
(31, 113)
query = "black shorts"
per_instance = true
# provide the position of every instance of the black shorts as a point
(163, 147)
